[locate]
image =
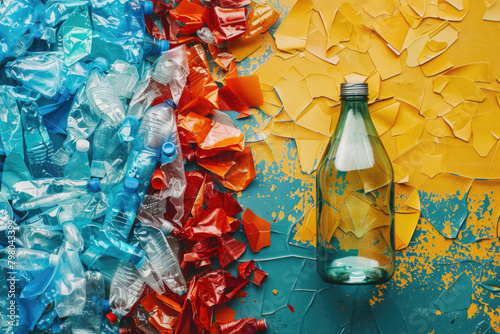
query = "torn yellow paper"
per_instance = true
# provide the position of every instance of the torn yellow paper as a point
(476, 72)
(407, 117)
(492, 11)
(307, 230)
(317, 40)
(433, 165)
(438, 128)
(375, 8)
(404, 227)
(373, 82)
(355, 77)
(401, 175)
(310, 153)
(418, 6)
(449, 10)
(295, 96)
(384, 117)
(322, 85)
(455, 90)
(413, 200)
(284, 129)
(386, 61)
(461, 124)
(410, 16)
(340, 31)
(483, 127)
(409, 138)
(437, 65)
(393, 30)
(429, 46)
(292, 33)
(314, 119)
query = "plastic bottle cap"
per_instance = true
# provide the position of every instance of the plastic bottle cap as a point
(148, 7)
(95, 185)
(65, 216)
(82, 145)
(130, 185)
(53, 260)
(168, 149)
(112, 318)
(158, 179)
(170, 103)
(163, 45)
(261, 324)
(101, 64)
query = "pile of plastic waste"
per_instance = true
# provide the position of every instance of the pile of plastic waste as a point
(93, 213)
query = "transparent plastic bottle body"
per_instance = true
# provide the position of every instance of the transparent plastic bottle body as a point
(39, 238)
(163, 259)
(39, 146)
(105, 146)
(89, 322)
(78, 167)
(126, 289)
(355, 202)
(27, 259)
(34, 194)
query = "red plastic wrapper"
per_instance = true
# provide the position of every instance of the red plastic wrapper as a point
(226, 201)
(242, 173)
(257, 229)
(190, 14)
(222, 56)
(228, 100)
(208, 223)
(246, 268)
(259, 276)
(243, 326)
(200, 253)
(229, 3)
(163, 312)
(200, 106)
(202, 83)
(229, 249)
(213, 136)
(226, 24)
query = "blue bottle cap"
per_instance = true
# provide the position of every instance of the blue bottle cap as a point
(130, 185)
(170, 103)
(95, 185)
(163, 45)
(147, 7)
(168, 149)
(101, 64)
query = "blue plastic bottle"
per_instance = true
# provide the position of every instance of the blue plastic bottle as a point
(114, 233)
(158, 126)
(34, 194)
(39, 147)
(168, 153)
(78, 165)
(71, 232)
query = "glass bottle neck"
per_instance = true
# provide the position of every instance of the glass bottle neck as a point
(357, 105)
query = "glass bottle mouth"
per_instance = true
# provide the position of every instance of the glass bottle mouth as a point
(354, 89)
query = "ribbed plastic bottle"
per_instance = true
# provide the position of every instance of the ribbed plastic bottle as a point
(126, 289)
(70, 281)
(71, 232)
(34, 194)
(39, 146)
(104, 146)
(90, 321)
(115, 231)
(162, 258)
(37, 237)
(78, 167)
(158, 126)
(27, 259)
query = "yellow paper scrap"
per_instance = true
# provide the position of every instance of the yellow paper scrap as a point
(409, 138)
(386, 61)
(307, 231)
(322, 85)
(401, 175)
(340, 31)
(355, 77)
(456, 90)
(383, 118)
(461, 124)
(492, 11)
(404, 227)
(376, 8)
(449, 10)
(433, 165)
(313, 118)
(437, 65)
(294, 95)
(407, 117)
(317, 40)
(410, 16)
(458, 4)
(438, 128)
(242, 48)
(476, 72)
(310, 153)
(393, 30)
(429, 46)
(292, 33)
(413, 200)
(483, 129)
(431, 9)
(283, 129)
(418, 6)
(373, 87)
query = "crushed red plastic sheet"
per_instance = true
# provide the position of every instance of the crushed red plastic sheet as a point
(246, 268)
(229, 3)
(260, 18)
(257, 229)
(190, 14)
(202, 82)
(229, 249)
(226, 24)
(259, 276)
(243, 326)
(228, 100)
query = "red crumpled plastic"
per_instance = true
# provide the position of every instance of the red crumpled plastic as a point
(200, 79)
(243, 326)
(226, 24)
(226, 201)
(190, 14)
(228, 100)
(229, 249)
(242, 173)
(229, 3)
(259, 276)
(246, 268)
(163, 311)
(222, 56)
(208, 223)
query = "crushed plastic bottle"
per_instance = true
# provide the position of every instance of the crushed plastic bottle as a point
(39, 146)
(27, 259)
(126, 289)
(30, 195)
(78, 166)
(162, 258)
(90, 320)
(42, 238)
(71, 232)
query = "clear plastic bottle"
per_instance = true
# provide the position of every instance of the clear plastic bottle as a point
(70, 281)
(71, 232)
(157, 127)
(27, 259)
(34, 194)
(38, 238)
(355, 199)
(89, 322)
(39, 146)
(105, 146)
(162, 257)
(78, 165)
(126, 289)
(101, 95)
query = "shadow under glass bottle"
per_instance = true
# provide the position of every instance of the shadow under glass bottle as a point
(355, 199)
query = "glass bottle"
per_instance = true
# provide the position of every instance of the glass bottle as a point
(355, 199)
